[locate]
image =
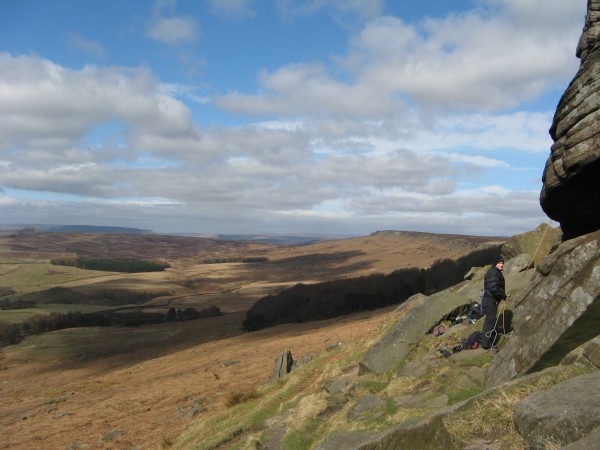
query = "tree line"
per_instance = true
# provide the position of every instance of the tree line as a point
(302, 303)
(127, 265)
(16, 304)
(38, 324)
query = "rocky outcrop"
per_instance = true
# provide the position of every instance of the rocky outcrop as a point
(421, 313)
(562, 414)
(283, 364)
(559, 312)
(536, 243)
(570, 193)
(403, 337)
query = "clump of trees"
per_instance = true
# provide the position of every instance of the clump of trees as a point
(246, 259)
(16, 304)
(128, 265)
(38, 324)
(302, 303)
(110, 297)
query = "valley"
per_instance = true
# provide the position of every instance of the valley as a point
(74, 387)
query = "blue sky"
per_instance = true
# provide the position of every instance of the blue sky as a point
(283, 116)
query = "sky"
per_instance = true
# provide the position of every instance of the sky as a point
(295, 117)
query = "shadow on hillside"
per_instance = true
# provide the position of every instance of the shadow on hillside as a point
(321, 266)
(121, 347)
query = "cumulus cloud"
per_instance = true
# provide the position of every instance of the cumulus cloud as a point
(474, 60)
(398, 132)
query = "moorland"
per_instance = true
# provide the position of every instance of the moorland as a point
(79, 386)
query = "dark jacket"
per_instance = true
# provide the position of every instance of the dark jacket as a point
(493, 284)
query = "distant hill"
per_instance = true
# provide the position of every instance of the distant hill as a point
(94, 229)
(71, 229)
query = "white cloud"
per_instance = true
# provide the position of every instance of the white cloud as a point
(474, 60)
(46, 105)
(400, 137)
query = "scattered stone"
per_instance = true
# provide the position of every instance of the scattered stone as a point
(283, 364)
(366, 406)
(333, 347)
(111, 435)
(230, 363)
(340, 385)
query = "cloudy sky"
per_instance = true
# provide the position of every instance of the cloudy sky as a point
(282, 116)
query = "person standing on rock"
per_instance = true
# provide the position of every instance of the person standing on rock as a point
(494, 293)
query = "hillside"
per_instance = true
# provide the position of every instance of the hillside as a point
(206, 385)
(140, 380)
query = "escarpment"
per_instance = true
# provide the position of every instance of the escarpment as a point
(571, 193)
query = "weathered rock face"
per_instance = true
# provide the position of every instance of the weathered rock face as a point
(571, 192)
(404, 336)
(536, 243)
(283, 364)
(558, 313)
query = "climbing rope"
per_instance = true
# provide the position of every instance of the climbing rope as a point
(534, 255)
(494, 330)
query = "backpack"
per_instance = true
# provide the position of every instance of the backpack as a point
(475, 311)
(472, 341)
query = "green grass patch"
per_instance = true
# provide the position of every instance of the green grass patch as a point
(21, 315)
(32, 277)
(302, 438)
(463, 394)
(374, 386)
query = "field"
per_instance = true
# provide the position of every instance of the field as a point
(82, 387)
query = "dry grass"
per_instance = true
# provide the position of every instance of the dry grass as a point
(136, 379)
(237, 397)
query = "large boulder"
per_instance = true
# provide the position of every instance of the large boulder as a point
(569, 193)
(562, 414)
(536, 243)
(558, 313)
(406, 333)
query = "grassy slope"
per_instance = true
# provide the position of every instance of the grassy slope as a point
(144, 382)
